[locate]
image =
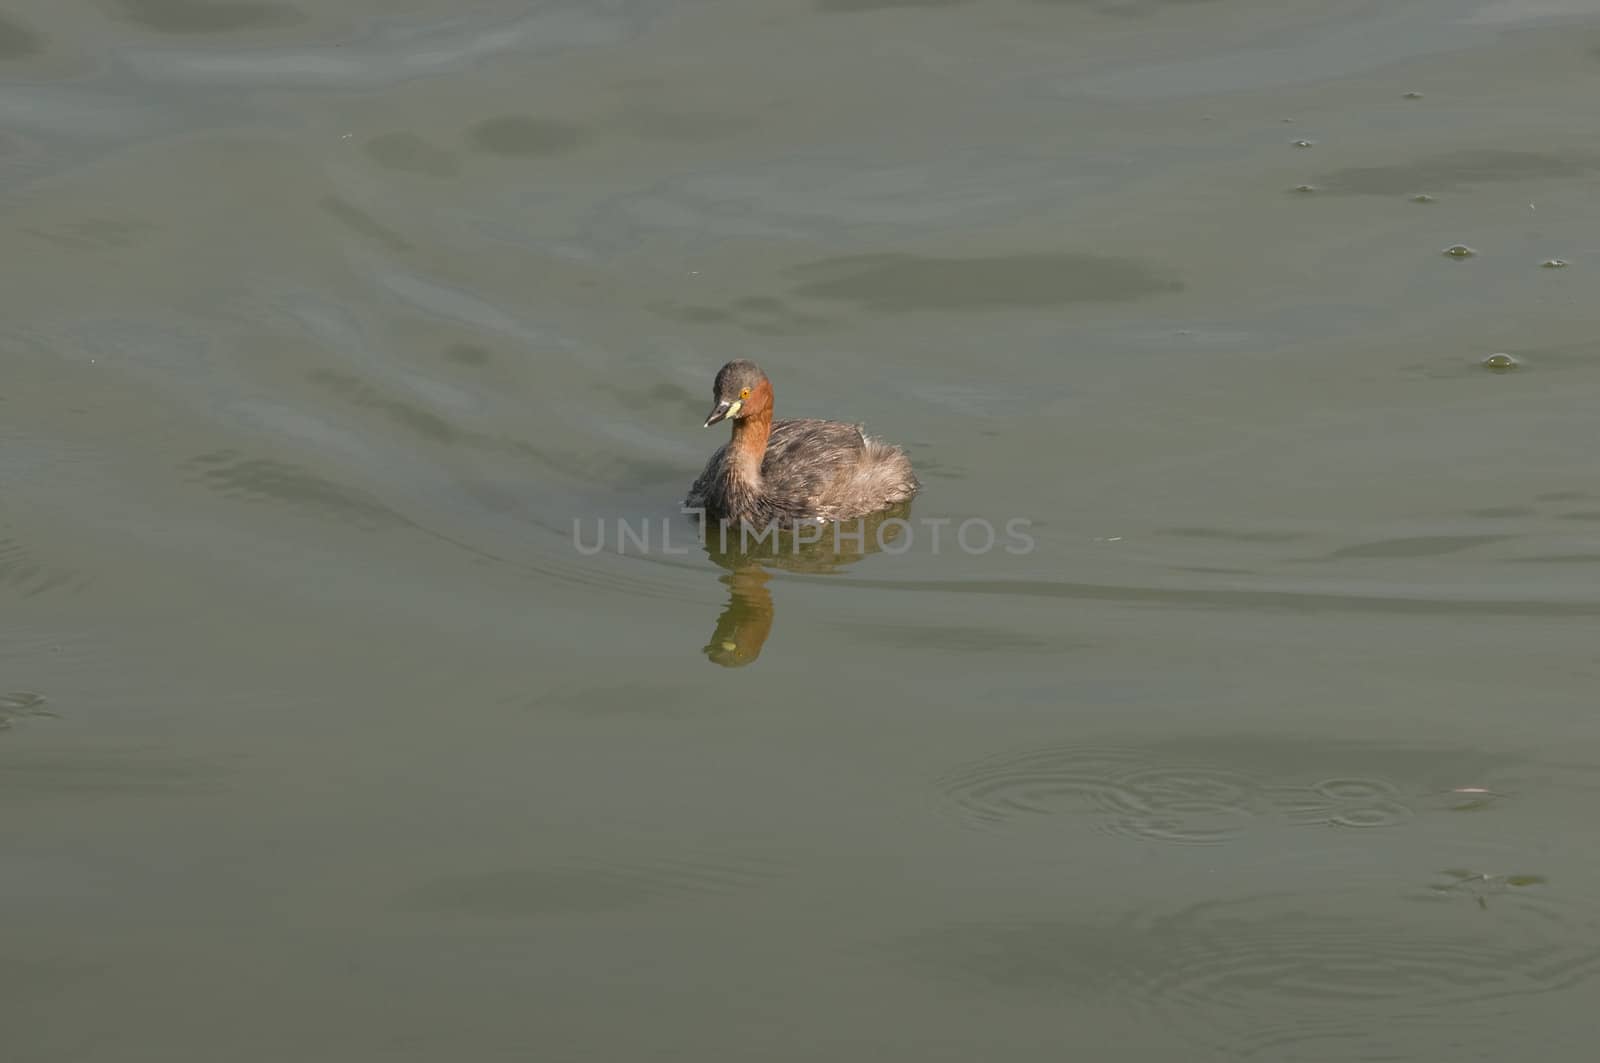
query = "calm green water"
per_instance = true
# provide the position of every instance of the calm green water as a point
(327, 328)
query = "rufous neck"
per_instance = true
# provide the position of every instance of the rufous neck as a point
(749, 445)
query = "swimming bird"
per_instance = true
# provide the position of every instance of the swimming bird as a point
(793, 471)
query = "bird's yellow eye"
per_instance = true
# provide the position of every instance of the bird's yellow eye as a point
(744, 393)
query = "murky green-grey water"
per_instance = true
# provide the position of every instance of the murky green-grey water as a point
(321, 324)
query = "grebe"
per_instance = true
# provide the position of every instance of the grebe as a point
(790, 472)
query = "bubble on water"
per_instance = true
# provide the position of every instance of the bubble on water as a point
(1501, 362)
(1554, 263)
(1305, 189)
(1413, 95)
(1423, 197)
(1459, 251)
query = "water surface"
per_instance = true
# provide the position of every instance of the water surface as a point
(321, 737)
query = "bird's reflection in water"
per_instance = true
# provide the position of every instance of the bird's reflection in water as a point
(746, 621)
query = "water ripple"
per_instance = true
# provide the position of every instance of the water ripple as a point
(20, 704)
(23, 573)
(1199, 797)
(1294, 976)
(396, 52)
(1255, 599)
(1183, 803)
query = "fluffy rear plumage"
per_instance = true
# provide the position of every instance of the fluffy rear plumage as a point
(811, 471)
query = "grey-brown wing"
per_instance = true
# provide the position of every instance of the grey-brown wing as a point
(805, 456)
